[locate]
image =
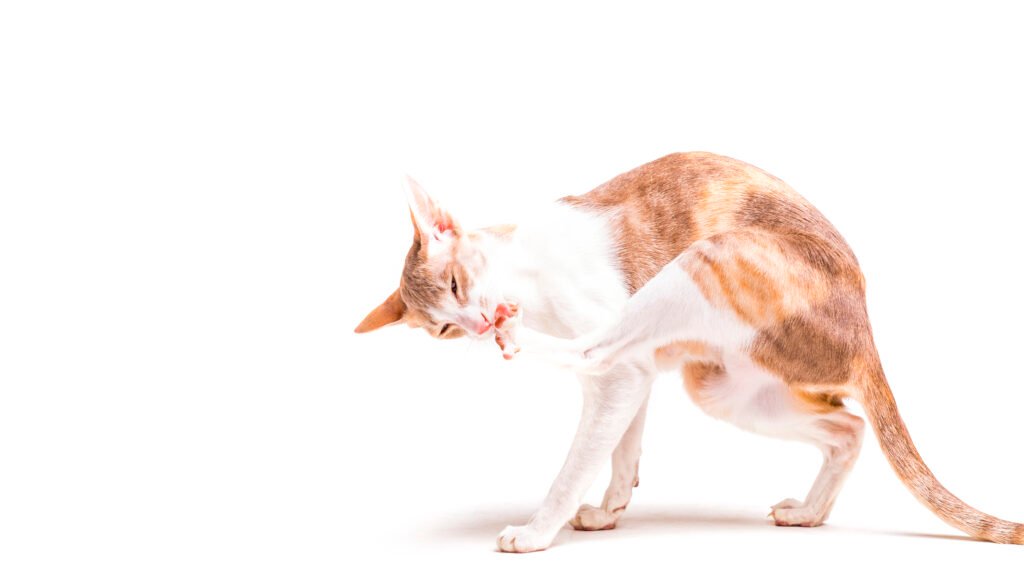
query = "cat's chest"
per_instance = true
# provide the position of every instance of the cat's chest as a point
(570, 281)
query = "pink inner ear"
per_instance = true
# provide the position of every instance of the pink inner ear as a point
(443, 222)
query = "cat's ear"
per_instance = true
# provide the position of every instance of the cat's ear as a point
(430, 221)
(390, 311)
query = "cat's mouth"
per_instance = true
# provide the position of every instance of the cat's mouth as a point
(484, 325)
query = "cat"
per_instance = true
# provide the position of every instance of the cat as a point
(695, 263)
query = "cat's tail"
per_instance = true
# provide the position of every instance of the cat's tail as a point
(880, 406)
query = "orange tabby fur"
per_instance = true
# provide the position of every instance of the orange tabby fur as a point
(750, 252)
(764, 252)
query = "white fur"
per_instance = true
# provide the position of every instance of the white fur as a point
(561, 270)
(669, 308)
(560, 267)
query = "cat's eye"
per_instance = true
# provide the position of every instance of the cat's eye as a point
(444, 329)
(455, 287)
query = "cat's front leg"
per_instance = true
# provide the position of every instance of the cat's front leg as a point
(611, 401)
(625, 477)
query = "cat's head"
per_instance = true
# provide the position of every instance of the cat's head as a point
(444, 285)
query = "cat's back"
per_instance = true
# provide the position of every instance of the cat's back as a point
(658, 209)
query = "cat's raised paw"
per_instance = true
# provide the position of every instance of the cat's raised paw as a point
(509, 348)
(522, 539)
(503, 312)
(505, 323)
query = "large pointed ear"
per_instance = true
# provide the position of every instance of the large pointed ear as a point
(390, 312)
(430, 220)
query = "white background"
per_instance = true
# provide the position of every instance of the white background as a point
(199, 201)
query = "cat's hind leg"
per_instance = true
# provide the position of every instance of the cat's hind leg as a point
(838, 434)
(671, 307)
(739, 391)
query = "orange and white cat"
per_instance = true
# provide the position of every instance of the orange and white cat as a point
(696, 263)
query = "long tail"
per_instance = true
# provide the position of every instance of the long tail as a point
(880, 407)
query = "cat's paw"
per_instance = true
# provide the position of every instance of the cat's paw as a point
(503, 312)
(522, 539)
(592, 518)
(507, 343)
(505, 322)
(792, 512)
